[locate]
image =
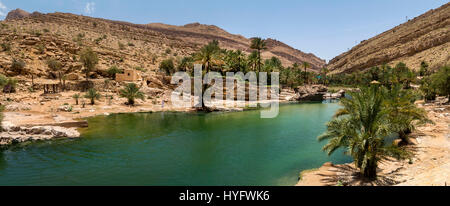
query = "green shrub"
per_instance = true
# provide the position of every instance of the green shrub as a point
(40, 48)
(167, 66)
(6, 46)
(1, 116)
(121, 46)
(18, 66)
(112, 71)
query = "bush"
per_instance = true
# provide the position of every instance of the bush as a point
(6, 46)
(1, 116)
(10, 86)
(121, 46)
(441, 81)
(140, 69)
(18, 66)
(3, 81)
(40, 48)
(112, 71)
(167, 66)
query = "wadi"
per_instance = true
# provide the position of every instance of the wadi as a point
(84, 97)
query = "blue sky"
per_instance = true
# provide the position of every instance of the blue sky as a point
(323, 27)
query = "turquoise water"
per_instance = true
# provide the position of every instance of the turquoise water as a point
(178, 149)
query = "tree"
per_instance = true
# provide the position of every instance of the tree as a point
(234, 61)
(131, 92)
(402, 112)
(361, 127)
(428, 89)
(423, 69)
(89, 59)
(55, 66)
(324, 72)
(441, 81)
(167, 66)
(207, 54)
(306, 66)
(186, 64)
(258, 44)
(253, 60)
(76, 97)
(93, 95)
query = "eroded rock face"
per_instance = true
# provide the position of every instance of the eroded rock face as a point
(311, 92)
(424, 38)
(11, 134)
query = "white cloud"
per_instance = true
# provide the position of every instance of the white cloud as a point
(90, 8)
(3, 9)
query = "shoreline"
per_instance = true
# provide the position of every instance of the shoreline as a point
(25, 111)
(429, 161)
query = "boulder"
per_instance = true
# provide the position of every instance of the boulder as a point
(311, 92)
(72, 77)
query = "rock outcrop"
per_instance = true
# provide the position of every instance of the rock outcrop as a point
(12, 134)
(311, 93)
(424, 38)
(17, 14)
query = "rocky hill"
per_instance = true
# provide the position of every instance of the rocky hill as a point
(17, 14)
(424, 38)
(36, 37)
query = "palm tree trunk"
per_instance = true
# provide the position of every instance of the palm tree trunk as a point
(305, 77)
(370, 171)
(259, 61)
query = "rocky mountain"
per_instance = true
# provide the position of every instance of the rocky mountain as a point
(199, 33)
(17, 14)
(36, 37)
(424, 38)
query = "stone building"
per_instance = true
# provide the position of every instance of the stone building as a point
(129, 75)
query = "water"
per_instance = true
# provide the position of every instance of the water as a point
(178, 149)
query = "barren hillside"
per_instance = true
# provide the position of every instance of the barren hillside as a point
(37, 37)
(424, 38)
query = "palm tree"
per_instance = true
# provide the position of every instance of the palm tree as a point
(402, 112)
(361, 127)
(93, 95)
(253, 60)
(207, 54)
(324, 73)
(258, 44)
(306, 66)
(131, 92)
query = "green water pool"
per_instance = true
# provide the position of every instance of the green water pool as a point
(180, 149)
